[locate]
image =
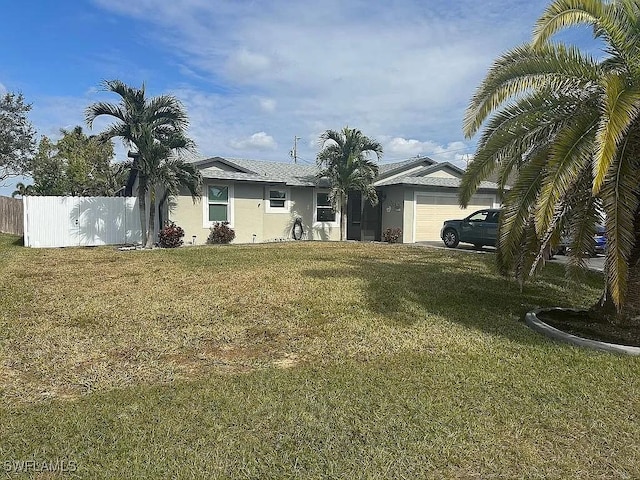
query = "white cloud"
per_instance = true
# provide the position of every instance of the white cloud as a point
(257, 141)
(454, 152)
(268, 104)
(243, 64)
(402, 75)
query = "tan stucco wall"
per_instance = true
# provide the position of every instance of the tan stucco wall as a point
(250, 215)
(248, 208)
(441, 174)
(407, 215)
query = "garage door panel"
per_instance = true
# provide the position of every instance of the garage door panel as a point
(433, 210)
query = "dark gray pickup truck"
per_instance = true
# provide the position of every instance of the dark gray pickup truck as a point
(480, 228)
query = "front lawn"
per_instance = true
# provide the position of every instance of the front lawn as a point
(301, 360)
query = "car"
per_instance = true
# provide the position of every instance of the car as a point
(599, 242)
(480, 229)
(600, 239)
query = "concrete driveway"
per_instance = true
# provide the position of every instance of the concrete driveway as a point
(595, 263)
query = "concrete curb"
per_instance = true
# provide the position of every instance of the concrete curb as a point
(539, 326)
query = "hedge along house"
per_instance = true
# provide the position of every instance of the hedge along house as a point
(262, 200)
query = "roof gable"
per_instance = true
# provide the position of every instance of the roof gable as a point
(444, 170)
(387, 170)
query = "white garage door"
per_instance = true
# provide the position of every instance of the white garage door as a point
(433, 209)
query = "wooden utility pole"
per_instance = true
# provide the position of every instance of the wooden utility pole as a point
(294, 153)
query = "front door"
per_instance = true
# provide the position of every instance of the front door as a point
(371, 221)
(354, 216)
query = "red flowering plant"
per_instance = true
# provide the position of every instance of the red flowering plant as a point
(170, 236)
(221, 233)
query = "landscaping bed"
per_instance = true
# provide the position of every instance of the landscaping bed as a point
(588, 324)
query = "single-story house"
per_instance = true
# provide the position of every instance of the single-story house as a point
(262, 200)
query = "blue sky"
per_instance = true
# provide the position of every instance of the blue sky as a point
(254, 74)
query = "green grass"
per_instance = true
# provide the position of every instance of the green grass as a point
(305, 360)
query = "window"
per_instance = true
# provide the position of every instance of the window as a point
(277, 200)
(218, 198)
(324, 210)
(480, 216)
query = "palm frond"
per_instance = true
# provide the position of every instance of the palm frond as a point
(517, 210)
(550, 67)
(620, 109)
(570, 154)
(620, 193)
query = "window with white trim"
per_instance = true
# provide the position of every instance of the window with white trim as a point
(218, 199)
(277, 200)
(324, 210)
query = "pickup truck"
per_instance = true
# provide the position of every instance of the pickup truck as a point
(480, 229)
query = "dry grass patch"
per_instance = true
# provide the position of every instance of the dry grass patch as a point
(80, 320)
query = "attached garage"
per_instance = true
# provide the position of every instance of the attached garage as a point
(432, 209)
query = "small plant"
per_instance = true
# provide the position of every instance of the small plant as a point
(170, 236)
(221, 233)
(392, 235)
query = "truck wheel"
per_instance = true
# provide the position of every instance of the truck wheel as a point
(450, 238)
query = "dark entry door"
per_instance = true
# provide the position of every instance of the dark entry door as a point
(354, 216)
(371, 221)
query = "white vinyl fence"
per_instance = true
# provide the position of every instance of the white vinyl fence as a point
(80, 221)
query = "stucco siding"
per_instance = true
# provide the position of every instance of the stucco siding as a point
(441, 174)
(250, 219)
(188, 215)
(407, 215)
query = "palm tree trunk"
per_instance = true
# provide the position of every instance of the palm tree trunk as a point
(152, 217)
(343, 218)
(631, 308)
(629, 313)
(142, 206)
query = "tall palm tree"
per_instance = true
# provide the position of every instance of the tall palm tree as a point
(345, 160)
(569, 126)
(171, 172)
(146, 126)
(22, 190)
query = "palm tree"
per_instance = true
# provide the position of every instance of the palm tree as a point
(569, 126)
(22, 190)
(344, 159)
(171, 172)
(146, 126)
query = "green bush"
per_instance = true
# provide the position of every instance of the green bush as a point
(221, 233)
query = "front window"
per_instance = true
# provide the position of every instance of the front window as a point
(218, 203)
(324, 210)
(277, 200)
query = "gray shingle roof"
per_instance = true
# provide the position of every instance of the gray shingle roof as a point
(390, 168)
(304, 175)
(432, 182)
(296, 175)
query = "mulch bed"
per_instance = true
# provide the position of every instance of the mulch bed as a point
(589, 325)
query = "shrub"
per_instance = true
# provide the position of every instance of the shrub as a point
(170, 236)
(221, 233)
(392, 235)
